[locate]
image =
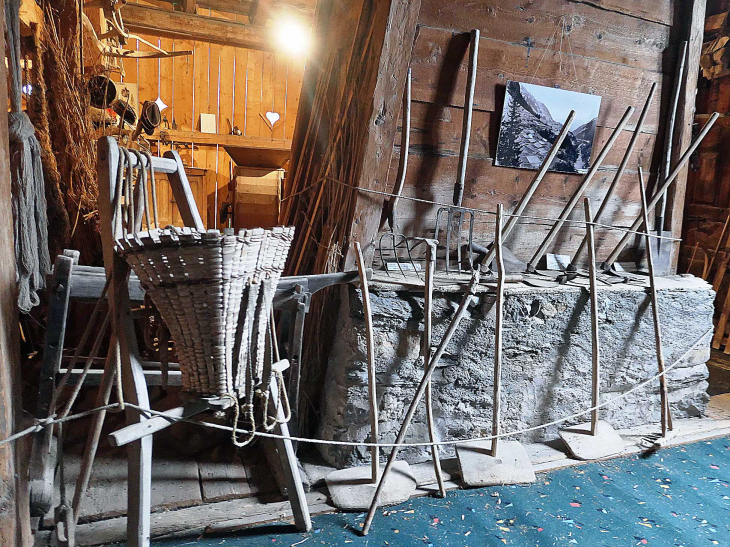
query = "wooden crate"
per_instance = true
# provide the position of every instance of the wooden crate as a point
(255, 194)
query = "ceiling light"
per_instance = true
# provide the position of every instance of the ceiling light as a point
(293, 37)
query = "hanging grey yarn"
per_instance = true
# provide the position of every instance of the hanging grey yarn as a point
(30, 220)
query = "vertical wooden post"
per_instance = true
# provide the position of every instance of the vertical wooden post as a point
(426, 352)
(497, 380)
(693, 19)
(14, 517)
(394, 33)
(596, 372)
(372, 385)
(666, 414)
(139, 453)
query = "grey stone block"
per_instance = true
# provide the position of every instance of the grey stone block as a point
(546, 365)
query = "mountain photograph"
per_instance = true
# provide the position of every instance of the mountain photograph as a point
(532, 118)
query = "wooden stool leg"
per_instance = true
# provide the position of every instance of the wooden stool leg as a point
(284, 447)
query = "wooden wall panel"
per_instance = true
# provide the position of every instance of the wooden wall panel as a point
(227, 61)
(237, 85)
(660, 11)
(619, 49)
(254, 81)
(436, 130)
(586, 30)
(506, 187)
(182, 86)
(439, 75)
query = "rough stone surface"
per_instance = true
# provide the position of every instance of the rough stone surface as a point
(546, 365)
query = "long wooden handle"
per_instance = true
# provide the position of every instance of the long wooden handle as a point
(405, 139)
(666, 415)
(595, 351)
(497, 380)
(657, 196)
(468, 109)
(617, 178)
(532, 265)
(460, 314)
(372, 386)
(546, 163)
(426, 352)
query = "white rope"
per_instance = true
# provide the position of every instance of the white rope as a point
(581, 223)
(51, 420)
(439, 443)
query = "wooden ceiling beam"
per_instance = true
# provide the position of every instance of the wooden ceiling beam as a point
(304, 8)
(30, 14)
(141, 18)
(261, 12)
(240, 7)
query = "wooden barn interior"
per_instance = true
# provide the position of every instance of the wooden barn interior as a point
(393, 272)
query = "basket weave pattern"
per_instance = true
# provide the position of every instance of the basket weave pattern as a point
(198, 281)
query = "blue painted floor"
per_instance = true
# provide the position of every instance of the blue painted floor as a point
(674, 497)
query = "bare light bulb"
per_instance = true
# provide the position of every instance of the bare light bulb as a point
(293, 37)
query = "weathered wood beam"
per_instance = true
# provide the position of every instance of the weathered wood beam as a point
(240, 7)
(189, 6)
(260, 12)
(140, 18)
(395, 57)
(245, 7)
(197, 137)
(30, 14)
(14, 516)
(694, 26)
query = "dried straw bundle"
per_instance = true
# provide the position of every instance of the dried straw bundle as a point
(73, 136)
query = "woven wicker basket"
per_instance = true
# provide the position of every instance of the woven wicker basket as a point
(197, 282)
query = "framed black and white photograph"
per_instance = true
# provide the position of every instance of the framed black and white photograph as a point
(532, 118)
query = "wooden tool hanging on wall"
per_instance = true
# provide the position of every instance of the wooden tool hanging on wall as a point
(111, 40)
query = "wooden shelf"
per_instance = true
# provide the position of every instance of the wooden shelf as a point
(245, 151)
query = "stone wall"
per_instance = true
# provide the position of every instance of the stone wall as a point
(547, 362)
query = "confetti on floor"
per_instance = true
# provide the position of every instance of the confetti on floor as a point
(673, 497)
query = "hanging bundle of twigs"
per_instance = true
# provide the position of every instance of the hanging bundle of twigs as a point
(73, 137)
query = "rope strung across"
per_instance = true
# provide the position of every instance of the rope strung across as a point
(550, 220)
(52, 420)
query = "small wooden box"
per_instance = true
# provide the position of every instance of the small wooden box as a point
(255, 195)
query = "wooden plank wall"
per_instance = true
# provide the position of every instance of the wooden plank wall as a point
(619, 49)
(707, 204)
(235, 84)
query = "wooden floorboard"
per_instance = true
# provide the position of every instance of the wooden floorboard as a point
(175, 484)
(235, 514)
(223, 475)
